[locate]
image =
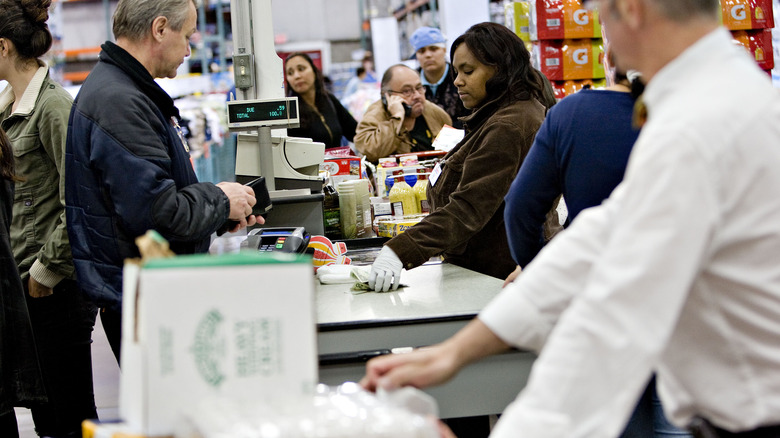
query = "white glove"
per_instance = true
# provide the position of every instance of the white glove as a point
(386, 271)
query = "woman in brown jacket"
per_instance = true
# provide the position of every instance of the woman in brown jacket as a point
(466, 191)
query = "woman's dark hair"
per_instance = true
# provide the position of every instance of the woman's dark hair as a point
(23, 22)
(496, 46)
(637, 87)
(6, 158)
(634, 83)
(320, 94)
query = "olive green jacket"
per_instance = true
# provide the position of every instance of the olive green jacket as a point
(37, 130)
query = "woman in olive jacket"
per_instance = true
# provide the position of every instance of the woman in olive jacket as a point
(466, 192)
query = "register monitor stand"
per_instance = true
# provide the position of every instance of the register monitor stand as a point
(289, 165)
(291, 169)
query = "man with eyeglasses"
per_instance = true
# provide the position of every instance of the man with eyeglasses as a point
(402, 121)
(677, 272)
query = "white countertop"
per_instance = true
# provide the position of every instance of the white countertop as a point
(433, 291)
(440, 300)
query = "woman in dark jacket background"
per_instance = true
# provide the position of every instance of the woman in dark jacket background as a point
(323, 118)
(20, 378)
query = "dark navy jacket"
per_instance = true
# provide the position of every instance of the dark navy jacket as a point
(127, 172)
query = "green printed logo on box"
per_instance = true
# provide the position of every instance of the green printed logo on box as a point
(208, 348)
(258, 347)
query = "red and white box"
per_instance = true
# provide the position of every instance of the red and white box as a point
(343, 168)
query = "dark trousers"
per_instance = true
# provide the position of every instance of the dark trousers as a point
(469, 427)
(62, 325)
(648, 419)
(112, 325)
(640, 424)
(8, 426)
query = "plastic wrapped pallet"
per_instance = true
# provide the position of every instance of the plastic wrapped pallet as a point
(346, 411)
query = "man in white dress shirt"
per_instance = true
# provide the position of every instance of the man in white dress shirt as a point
(677, 273)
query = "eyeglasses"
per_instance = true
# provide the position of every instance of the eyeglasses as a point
(409, 92)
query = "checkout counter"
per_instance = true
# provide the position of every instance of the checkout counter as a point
(439, 299)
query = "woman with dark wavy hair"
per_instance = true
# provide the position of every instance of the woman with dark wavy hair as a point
(514, 77)
(34, 111)
(495, 80)
(323, 117)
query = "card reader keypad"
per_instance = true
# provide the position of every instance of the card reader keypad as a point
(279, 244)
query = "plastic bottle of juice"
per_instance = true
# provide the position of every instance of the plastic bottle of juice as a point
(402, 198)
(410, 178)
(389, 181)
(421, 193)
(330, 211)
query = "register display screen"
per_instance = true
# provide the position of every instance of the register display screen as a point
(277, 232)
(253, 111)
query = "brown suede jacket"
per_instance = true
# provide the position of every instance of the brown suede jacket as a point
(466, 224)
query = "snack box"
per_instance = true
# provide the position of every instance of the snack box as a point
(562, 60)
(747, 14)
(343, 168)
(562, 19)
(394, 225)
(342, 165)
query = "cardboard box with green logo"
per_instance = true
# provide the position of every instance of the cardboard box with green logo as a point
(240, 326)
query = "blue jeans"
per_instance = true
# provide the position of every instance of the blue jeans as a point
(649, 420)
(663, 428)
(62, 325)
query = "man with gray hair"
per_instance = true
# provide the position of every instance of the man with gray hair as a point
(128, 166)
(678, 272)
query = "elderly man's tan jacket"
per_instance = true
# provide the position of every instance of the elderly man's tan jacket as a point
(379, 135)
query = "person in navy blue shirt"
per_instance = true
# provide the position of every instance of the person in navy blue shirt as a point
(581, 152)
